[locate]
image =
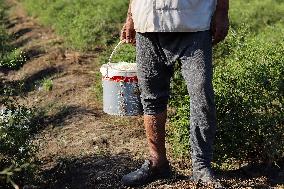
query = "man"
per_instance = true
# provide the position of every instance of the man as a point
(168, 31)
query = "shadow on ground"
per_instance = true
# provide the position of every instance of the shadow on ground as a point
(21, 32)
(32, 53)
(260, 176)
(29, 83)
(98, 171)
(106, 171)
(66, 113)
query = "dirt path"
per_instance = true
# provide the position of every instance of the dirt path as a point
(80, 146)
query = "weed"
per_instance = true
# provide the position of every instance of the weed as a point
(47, 84)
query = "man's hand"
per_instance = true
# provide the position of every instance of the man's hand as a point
(128, 32)
(220, 22)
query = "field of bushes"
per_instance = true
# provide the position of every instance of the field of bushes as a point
(249, 68)
(248, 79)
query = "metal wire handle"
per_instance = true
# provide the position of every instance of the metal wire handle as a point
(116, 48)
(114, 51)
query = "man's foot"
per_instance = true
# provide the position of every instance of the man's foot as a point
(146, 174)
(206, 177)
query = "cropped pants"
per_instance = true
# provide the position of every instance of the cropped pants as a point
(156, 55)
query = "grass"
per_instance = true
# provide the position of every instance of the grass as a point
(85, 24)
(258, 15)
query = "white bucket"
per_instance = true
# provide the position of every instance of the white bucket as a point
(121, 94)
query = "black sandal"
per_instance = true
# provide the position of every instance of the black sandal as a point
(146, 174)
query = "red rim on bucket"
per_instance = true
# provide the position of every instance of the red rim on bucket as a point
(122, 79)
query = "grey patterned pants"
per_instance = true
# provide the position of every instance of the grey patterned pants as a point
(156, 55)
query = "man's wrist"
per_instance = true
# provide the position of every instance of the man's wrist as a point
(129, 17)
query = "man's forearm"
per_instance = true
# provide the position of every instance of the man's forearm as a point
(222, 5)
(128, 32)
(129, 9)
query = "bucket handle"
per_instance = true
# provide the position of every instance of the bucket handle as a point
(114, 51)
(116, 48)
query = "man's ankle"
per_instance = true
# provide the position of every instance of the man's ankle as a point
(159, 163)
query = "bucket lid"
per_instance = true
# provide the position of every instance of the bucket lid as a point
(119, 69)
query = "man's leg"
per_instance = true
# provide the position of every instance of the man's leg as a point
(154, 82)
(155, 132)
(197, 72)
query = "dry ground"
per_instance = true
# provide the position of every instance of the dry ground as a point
(80, 146)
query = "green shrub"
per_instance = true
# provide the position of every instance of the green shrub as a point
(17, 126)
(12, 59)
(15, 131)
(249, 88)
(179, 114)
(2, 11)
(249, 96)
(9, 58)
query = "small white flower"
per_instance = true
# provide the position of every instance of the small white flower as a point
(21, 149)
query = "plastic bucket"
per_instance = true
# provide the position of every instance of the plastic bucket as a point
(121, 94)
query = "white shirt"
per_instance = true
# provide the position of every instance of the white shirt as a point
(172, 15)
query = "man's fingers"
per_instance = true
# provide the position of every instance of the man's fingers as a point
(129, 36)
(128, 33)
(133, 39)
(122, 36)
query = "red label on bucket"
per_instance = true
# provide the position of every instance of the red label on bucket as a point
(122, 79)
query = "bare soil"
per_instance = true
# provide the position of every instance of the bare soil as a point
(79, 145)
